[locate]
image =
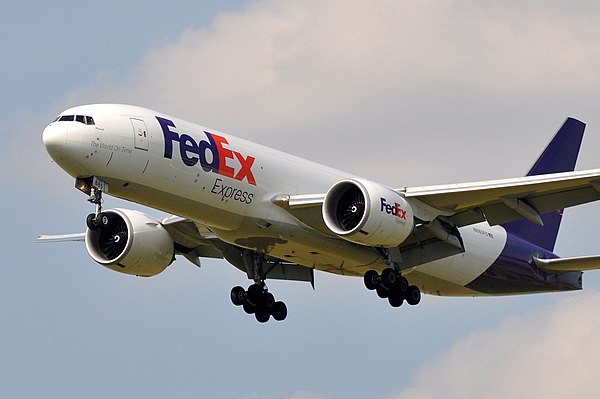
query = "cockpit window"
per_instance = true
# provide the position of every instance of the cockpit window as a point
(86, 120)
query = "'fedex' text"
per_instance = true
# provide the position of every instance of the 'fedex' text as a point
(395, 209)
(212, 155)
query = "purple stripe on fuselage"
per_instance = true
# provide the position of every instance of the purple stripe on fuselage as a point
(515, 272)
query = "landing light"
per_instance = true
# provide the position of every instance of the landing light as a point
(84, 185)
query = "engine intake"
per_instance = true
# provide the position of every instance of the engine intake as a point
(131, 243)
(367, 213)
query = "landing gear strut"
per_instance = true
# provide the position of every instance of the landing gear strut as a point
(391, 284)
(257, 299)
(98, 219)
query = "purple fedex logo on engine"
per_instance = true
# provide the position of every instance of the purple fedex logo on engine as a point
(192, 153)
(395, 209)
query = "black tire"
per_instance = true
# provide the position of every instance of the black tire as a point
(402, 285)
(396, 300)
(249, 308)
(237, 296)
(255, 292)
(268, 301)
(371, 279)
(102, 220)
(262, 316)
(382, 292)
(413, 295)
(90, 221)
(279, 311)
(389, 278)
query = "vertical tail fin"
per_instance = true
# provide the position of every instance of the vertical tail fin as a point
(560, 155)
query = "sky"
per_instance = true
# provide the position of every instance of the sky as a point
(403, 93)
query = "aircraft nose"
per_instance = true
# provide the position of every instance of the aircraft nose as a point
(55, 138)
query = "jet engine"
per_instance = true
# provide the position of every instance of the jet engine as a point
(367, 213)
(131, 243)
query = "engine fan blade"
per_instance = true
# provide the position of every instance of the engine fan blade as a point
(351, 209)
(113, 239)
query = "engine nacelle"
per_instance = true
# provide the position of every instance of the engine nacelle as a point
(131, 243)
(367, 213)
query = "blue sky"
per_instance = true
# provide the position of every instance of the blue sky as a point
(402, 93)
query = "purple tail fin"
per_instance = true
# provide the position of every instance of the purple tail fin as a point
(559, 156)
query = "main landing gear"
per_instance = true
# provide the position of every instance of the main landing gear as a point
(393, 286)
(257, 299)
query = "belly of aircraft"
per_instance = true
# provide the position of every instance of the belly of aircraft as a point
(452, 276)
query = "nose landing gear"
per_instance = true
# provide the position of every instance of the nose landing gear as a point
(98, 219)
(94, 187)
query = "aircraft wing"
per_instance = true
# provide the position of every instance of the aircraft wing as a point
(78, 237)
(497, 201)
(189, 239)
(194, 241)
(502, 201)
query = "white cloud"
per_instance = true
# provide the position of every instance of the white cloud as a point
(420, 82)
(548, 353)
(431, 88)
(306, 395)
(296, 395)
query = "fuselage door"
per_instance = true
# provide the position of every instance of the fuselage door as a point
(140, 134)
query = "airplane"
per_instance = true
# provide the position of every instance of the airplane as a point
(276, 216)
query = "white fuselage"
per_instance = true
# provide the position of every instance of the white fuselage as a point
(228, 185)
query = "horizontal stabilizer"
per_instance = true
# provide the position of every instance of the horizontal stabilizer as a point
(581, 263)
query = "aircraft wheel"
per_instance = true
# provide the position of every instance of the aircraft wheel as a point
(237, 295)
(396, 300)
(279, 311)
(389, 278)
(413, 295)
(90, 221)
(249, 308)
(268, 301)
(102, 220)
(262, 315)
(255, 292)
(382, 292)
(402, 285)
(371, 279)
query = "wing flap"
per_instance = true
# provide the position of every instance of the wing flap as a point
(559, 265)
